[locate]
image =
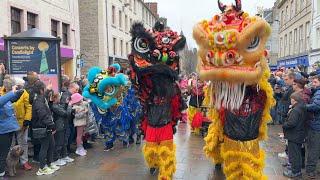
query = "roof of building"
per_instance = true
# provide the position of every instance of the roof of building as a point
(33, 33)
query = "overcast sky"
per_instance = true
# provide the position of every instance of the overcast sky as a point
(184, 14)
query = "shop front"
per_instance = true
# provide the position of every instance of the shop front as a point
(292, 62)
(273, 67)
(67, 62)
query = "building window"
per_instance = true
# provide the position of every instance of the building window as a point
(31, 20)
(318, 6)
(114, 46)
(130, 22)
(121, 47)
(301, 42)
(65, 32)
(290, 42)
(120, 19)
(126, 23)
(292, 9)
(318, 37)
(113, 15)
(127, 48)
(281, 45)
(295, 40)
(307, 36)
(302, 4)
(147, 16)
(287, 14)
(54, 28)
(285, 45)
(143, 14)
(282, 18)
(134, 6)
(15, 20)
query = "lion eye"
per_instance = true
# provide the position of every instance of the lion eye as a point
(209, 57)
(109, 90)
(141, 45)
(165, 40)
(254, 43)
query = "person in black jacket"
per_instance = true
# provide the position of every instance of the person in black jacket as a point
(30, 79)
(43, 129)
(294, 132)
(61, 115)
(67, 90)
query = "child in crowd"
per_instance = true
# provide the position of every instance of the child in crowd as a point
(60, 117)
(80, 109)
(294, 132)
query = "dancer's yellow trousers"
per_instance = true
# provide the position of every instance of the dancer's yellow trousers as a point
(243, 160)
(162, 156)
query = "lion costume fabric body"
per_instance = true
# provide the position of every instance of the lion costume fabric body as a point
(232, 57)
(154, 61)
(106, 90)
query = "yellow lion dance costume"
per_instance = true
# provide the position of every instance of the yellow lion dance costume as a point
(232, 57)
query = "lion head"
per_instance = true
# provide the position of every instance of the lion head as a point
(105, 87)
(232, 50)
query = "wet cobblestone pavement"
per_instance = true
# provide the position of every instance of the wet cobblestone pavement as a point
(128, 163)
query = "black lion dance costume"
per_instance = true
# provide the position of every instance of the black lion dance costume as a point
(154, 62)
(232, 57)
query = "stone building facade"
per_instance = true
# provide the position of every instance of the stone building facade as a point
(315, 33)
(59, 18)
(105, 29)
(272, 45)
(294, 32)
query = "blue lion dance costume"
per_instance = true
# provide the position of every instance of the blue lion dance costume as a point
(133, 107)
(107, 90)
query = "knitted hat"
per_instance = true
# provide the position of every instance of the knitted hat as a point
(75, 98)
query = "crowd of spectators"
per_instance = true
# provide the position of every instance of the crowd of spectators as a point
(37, 119)
(297, 109)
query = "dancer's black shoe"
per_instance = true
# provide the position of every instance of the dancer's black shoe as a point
(153, 171)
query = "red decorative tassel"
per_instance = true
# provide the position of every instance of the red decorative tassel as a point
(175, 105)
(222, 116)
(197, 120)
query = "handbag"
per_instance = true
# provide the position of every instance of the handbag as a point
(39, 133)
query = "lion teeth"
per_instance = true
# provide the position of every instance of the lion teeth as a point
(228, 95)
